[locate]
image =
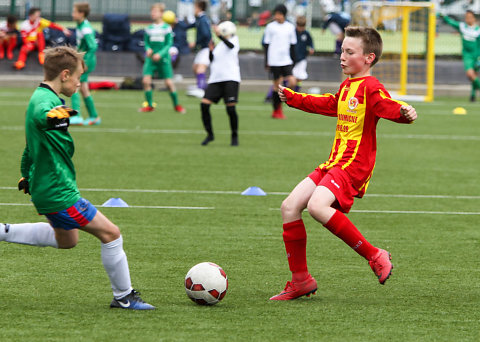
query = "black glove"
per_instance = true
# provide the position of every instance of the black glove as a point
(23, 185)
(59, 117)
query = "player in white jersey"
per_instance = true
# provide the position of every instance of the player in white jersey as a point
(224, 80)
(279, 41)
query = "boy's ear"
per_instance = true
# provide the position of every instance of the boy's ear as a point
(370, 58)
(64, 75)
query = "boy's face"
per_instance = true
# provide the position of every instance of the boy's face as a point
(196, 10)
(34, 16)
(470, 19)
(76, 15)
(353, 60)
(71, 81)
(300, 28)
(279, 17)
(156, 14)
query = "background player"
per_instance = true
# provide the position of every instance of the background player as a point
(49, 176)
(470, 33)
(279, 42)
(85, 43)
(328, 192)
(158, 41)
(31, 31)
(203, 38)
(8, 36)
(303, 48)
(223, 82)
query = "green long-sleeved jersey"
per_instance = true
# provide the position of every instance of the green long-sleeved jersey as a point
(47, 158)
(86, 40)
(159, 38)
(470, 35)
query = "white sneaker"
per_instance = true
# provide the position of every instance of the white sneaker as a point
(197, 92)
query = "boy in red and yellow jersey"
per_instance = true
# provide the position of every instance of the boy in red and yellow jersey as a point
(31, 32)
(328, 192)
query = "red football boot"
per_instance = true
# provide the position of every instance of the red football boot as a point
(180, 109)
(381, 265)
(293, 290)
(146, 109)
(278, 114)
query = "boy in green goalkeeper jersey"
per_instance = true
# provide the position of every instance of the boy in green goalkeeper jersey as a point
(470, 33)
(85, 43)
(49, 176)
(158, 41)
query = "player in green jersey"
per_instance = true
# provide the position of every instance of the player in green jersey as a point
(470, 33)
(85, 43)
(49, 176)
(158, 41)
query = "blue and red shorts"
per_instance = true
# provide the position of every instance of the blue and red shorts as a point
(339, 182)
(78, 215)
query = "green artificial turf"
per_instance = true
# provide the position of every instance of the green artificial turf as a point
(156, 160)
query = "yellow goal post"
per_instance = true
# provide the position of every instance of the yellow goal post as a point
(408, 33)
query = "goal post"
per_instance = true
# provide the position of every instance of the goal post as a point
(408, 33)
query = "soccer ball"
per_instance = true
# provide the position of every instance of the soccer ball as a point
(169, 17)
(206, 283)
(227, 29)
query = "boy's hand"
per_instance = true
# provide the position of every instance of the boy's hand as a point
(282, 96)
(58, 117)
(149, 52)
(67, 32)
(409, 113)
(23, 185)
(156, 57)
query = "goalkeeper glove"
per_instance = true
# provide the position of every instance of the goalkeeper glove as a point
(58, 117)
(23, 185)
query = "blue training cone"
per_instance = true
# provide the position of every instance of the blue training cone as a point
(254, 191)
(115, 202)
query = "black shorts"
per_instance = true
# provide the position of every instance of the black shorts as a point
(227, 90)
(281, 71)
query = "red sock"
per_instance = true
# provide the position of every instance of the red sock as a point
(342, 227)
(295, 238)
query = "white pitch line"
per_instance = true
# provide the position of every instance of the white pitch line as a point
(409, 212)
(275, 193)
(257, 133)
(130, 206)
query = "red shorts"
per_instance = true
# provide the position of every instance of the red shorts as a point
(338, 182)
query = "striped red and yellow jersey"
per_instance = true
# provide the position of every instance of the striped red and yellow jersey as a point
(358, 105)
(30, 31)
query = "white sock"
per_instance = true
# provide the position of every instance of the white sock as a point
(115, 263)
(38, 234)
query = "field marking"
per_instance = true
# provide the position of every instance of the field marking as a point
(409, 212)
(231, 192)
(265, 133)
(130, 206)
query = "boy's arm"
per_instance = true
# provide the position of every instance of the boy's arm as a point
(390, 109)
(449, 21)
(168, 44)
(26, 163)
(44, 23)
(146, 40)
(89, 37)
(325, 104)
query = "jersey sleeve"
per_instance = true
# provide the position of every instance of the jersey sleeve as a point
(267, 36)
(146, 40)
(89, 36)
(26, 163)
(452, 22)
(167, 45)
(385, 107)
(293, 36)
(325, 104)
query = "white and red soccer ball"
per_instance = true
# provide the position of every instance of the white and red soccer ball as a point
(206, 283)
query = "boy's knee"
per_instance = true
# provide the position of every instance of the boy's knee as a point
(111, 234)
(66, 244)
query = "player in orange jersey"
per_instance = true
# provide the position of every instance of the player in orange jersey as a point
(31, 32)
(328, 192)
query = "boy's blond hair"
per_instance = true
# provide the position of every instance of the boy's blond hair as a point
(371, 40)
(159, 5)
(82, 7)
(61, 58)
(301, 21)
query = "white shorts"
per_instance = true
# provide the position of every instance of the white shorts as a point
(300, 70)
(335, 28)
(202, 57)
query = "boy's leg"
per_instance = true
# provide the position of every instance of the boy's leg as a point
(207, 121)
(41, 47)
(22, 56)
(93, 118)
(115, 263)
(40, 234)
(76, 120)
(12, 43)
(295, 239)
(233, 117)
(174, 95)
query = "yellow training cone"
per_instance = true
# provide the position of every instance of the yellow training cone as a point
(459, 111)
